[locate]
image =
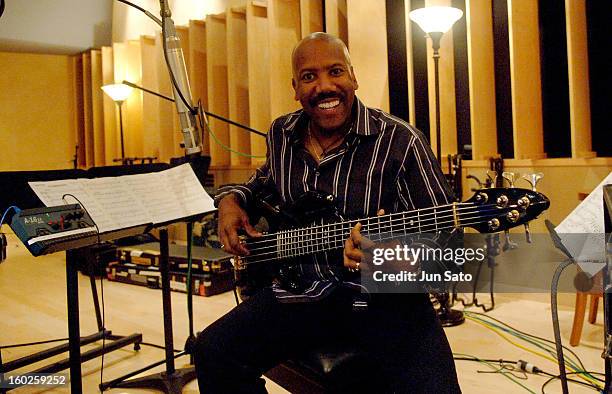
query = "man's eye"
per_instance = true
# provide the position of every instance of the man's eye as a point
(307, 77)
(336, 71)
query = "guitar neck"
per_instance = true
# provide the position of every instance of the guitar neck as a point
(489, 210)
(325, 237)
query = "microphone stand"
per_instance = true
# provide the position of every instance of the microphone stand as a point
(212, 115)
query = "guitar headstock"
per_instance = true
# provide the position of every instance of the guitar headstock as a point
(504, 208)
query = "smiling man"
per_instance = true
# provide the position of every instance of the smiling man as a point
(371, 162)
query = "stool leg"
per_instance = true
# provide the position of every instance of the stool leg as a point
(593, 308)
(579, 310)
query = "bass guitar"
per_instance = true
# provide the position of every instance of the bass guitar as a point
(314, 225)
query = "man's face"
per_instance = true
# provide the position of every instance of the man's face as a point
(324, 83)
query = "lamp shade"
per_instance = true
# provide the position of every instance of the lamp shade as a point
(117, 91)
(436, 19)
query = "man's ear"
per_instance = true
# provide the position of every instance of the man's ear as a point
(354, 78)
(294, 84)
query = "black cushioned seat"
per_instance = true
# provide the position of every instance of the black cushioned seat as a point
(337, 368)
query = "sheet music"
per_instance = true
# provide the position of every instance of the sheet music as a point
(582, 231)
(125, 201)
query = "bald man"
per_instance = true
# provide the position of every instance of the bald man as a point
(372, 163)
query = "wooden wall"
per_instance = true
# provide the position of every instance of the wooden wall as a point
(239, 66)
(38, 121)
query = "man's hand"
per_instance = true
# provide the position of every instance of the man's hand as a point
(231, 219)
(355, 245)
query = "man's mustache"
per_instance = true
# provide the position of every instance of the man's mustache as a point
(324, 96)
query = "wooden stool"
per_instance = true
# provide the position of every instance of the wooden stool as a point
(580, 308)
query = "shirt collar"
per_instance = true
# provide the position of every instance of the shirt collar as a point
(363, 121)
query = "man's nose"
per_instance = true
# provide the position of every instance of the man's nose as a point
(325, 84)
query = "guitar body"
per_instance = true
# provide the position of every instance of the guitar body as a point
(312, 208)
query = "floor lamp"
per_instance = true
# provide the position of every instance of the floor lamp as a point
(119, 92)
(435, 21)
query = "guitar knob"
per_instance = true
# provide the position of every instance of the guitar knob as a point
(491, 179)
(533, 179)
(527, 233)
(509, 245)
(509, 176)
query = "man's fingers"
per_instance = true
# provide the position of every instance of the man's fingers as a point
(231, 242)
(358, 239)
(250, 230)
(353, 254)
(380, 212)
(355, 236)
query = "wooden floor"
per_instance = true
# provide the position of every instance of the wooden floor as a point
(33, 308)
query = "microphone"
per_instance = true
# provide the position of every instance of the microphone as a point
(181, 90)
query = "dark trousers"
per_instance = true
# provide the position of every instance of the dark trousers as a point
(399, 332)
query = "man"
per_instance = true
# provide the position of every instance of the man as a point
(372, 162)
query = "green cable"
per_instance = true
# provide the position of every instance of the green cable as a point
(535, 337)
(492, 366)
(540, 345)
(577, 364)
(227, 148)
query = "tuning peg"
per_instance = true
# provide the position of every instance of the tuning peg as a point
(509, 245)
(509, 176)
(533, 179)
(491, 179)
(480, 184)
(527, 233)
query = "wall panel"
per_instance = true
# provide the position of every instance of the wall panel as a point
(111, 131)
(97, 107)
(526, 81)
(216, 46)
(284, 33)
(367, 36)
(198, 73)
(259, 70)
(88, 132)
(483, 122)
(311, 15)
(166, 109)
(150, 103)
(578, 75)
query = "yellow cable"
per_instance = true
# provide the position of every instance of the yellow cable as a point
(595, 382)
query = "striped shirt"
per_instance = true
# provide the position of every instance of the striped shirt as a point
(383, 163)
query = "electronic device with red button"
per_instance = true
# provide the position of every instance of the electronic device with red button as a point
(51, 229)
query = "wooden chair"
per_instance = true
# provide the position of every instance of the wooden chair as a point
(581, 301)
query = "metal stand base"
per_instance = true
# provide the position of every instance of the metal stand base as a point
(448, 317)
(168, 383)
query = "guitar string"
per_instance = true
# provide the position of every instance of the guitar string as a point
(314, 247)
(293, 237)
(317, 246)
(333, 227)
(441, 209)
(250, 257)
(402, 216)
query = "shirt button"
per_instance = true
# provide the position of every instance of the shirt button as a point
(317, 173)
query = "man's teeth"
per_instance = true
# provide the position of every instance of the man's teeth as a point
(329, 104)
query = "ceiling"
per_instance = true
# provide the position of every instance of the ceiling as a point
(55, 26)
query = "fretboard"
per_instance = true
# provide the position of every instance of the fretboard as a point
(330, 236)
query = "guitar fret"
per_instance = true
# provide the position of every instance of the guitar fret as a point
(436, 218)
